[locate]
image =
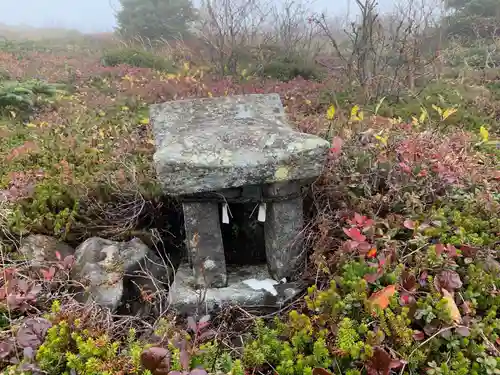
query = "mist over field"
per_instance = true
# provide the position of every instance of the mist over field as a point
(99, 15)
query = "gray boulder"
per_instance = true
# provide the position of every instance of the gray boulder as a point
(126, 275)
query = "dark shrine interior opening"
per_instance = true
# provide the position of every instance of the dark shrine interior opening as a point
(243, 237)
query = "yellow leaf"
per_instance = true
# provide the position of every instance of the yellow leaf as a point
(102, 113)
(382, 297)
(452, 306)
(423, 115)
(448, 112)
(244, 73)
(30, 125)
(330, 113)
(125, 108)
(437, 109)
(414, 121)
(484, 134)
(377, 108)
(354, 111)
(361, 116)
(382, 139)
(209, 94)
(308, 102)
(101, 133)
(186, 66)
(144, 121)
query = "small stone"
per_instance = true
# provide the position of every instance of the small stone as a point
(115, 273)
(40, 249)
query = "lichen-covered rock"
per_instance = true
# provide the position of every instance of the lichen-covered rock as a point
(115, 273)
(216, 143)
(40, 249)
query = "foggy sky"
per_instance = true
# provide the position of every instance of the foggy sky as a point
(98, 15)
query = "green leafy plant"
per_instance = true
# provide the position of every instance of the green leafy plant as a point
(23, 98)
(139, 58)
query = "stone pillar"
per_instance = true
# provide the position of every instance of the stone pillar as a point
(204, 244)
(283, 227)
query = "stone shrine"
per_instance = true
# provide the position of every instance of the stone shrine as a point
(214, 151)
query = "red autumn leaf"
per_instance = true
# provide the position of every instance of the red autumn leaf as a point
(203, 323)
(380, 361)
(404, 167)
(372, 253)
(382, 261)
(439, 248)
(405, 299)
(156, 360)
(355, 234)
(408, 281)
(364, 247)
(409, 224)
(422, 173)
(449, 280)
(382, 297)
(350, 245)
(336, 147)
(451, 251)
(48, 275)
(321, 371)
(358, 219)
(361, 221)
(68, 262)
(7, 348)
(32, 332)
(58, 255)
(397, 364)
(184, 359)
(418, 335)
(373, 277)
(469, 251)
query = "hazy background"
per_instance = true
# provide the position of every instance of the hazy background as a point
(98, 15)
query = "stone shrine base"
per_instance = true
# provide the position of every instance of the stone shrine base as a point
(247, 286)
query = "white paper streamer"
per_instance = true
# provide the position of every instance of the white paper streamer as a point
(225, 214)
(262, 213)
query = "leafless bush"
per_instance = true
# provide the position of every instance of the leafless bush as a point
(385, 53)
(290, 29)
(228, 27)
(255, 30)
